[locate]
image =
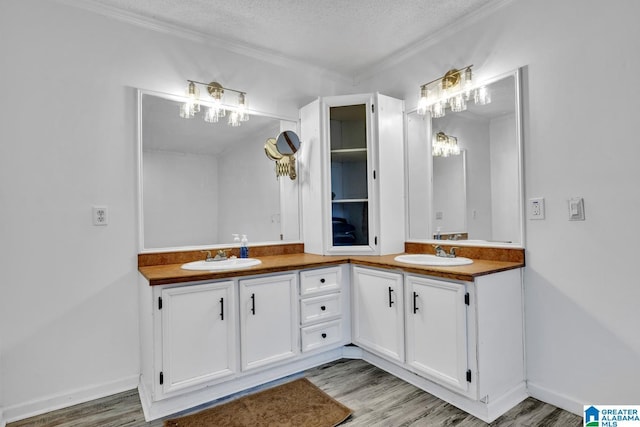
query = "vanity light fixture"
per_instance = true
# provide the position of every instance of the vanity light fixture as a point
(215, 109)
(452, 90)
(444, 145)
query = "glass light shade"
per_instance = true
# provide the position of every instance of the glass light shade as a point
(482, 96)
(213, 114)
(458, 103)
(234, 119)
(243, 116)
(438, 110)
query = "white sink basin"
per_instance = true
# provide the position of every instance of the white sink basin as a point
(227, 264)
(438, 261)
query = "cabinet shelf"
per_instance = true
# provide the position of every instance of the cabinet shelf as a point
(350, 201)
(349, 155)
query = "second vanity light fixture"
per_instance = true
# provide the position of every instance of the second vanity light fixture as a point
(452, 90)
(215, 109)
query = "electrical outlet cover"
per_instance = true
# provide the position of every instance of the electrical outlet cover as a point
(536, 208)
(100, 215)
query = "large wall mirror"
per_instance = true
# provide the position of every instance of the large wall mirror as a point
(202, 182)
(474, 197)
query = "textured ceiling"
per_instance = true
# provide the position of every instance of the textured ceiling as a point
(344, 36)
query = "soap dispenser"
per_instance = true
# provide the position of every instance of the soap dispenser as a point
(244, 250)
(236, 240)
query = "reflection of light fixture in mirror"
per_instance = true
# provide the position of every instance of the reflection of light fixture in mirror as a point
(452, 90)
(215, 108)
(444, 145)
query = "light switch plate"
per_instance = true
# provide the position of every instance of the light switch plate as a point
(576, 209)
(536, 208)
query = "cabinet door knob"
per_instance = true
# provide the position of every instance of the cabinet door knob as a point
(324, 335)
(322, 280)
(323, 308)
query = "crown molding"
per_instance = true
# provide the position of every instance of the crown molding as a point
(437, 37)
(262, 54)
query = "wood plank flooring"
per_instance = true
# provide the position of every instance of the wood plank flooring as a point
(376, 397)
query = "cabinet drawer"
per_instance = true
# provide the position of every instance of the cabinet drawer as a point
(320, 280)
(322, 335)
(318, 308)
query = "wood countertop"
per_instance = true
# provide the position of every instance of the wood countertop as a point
(172, 273)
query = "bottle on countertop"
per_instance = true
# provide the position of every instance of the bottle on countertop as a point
(236, 239)
(244, 249)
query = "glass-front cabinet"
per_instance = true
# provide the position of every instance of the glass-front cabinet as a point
(349, 173)
(353, 199)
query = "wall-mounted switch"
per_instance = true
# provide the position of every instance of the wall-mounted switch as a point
(438, 215)
(576, 209)
(99, 215)
(536, 208)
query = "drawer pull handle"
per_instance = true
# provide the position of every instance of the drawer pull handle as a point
(323, 308)
(221, 308)
(322, 280)
(324, 335)
(415, 303)
(390, 300)
(253, 304)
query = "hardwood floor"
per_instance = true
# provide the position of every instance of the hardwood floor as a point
(376, 397)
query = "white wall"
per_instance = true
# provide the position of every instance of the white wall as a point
(581, 287)
(68, 299)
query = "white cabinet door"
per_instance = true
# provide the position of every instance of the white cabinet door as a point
(378, 312)
(437, 330)
(198, 335)
(268, 320)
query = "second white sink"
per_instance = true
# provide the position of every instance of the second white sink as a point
(227, 264)
(436, 261)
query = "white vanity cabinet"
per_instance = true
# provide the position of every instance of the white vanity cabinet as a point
(350, 143)
(268, 320)
(378, 312)
(436, 330)
(463, 340)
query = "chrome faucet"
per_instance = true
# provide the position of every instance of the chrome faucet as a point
(221, 255)
(209, 258)
(442, 253)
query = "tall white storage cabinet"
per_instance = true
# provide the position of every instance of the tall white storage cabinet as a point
(352, 179)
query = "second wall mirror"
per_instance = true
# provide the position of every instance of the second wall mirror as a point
(475, 196)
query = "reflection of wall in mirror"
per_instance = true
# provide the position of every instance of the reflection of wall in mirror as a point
(449, 194)
(473, 137)
(245, 170)
(504, 183)
(180, 199)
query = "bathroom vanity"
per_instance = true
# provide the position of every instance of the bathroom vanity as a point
(455, 332)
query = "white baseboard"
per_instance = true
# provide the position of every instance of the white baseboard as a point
(64, 400)
(554, 398)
